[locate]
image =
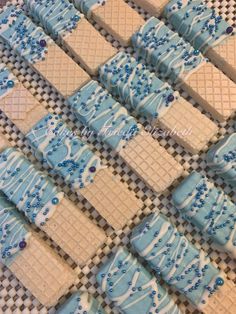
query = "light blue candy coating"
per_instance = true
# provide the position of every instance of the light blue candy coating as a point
(22, 35)
(13, 232)
(166, 51)
(7, 81)
(197, 23)
(87, 6)
(64, 152)
(81, 303)
(133, 289)
(96, 109)
(209, 209)
(222, 158)
(29, 189)
(172, 256)
(135, 85)
(58, 17)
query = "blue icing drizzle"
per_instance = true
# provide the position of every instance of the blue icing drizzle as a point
(133, 289)
(222, 158)
(87, 6)
(197, 23)
(30, 190)
(173, 257)
(209, 209)
(171, 55)
(22, 35)
(7, 81)
(14, 235)
(96, 109)
(64, 152)
(134, 84)
(81, 303)
(59, 17)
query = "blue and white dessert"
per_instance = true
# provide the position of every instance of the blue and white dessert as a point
(58, 17)
(64, 152)
(81, 303)
(88, 6)
(14, 235)
(222, 158)
(132, 288)
(7, 81)
(170, 54)
(197, 23)
(96, 109)
(22, 35)
(172, 256)
(135, 85)
(209, 209)
(29, 189)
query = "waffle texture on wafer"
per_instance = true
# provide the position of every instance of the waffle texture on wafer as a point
(63, 22)
(31, 261)
(132, 287)
(222, 158)
(179, 62)
(179, 263)
(40, 52)
(81, 302)
(115, 16)
(153, 7)
(209, 209)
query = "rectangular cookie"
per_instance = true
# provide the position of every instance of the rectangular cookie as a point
(72, 159)
(185, 66)
(63, 22)
(35, 195)
(222, 158)
(115, 16)
(132, 288)
(40, 52)
(96, 109)
(153, 7)
(148, 96)
(81, 302)
(180, 264)
(206, 31)
(209, 209)
(38, 268)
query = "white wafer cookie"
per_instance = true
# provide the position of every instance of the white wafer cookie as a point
(145, 156)
(115, 16)
(223, 55)
(180, 119)
(42, 272)
(213, 90)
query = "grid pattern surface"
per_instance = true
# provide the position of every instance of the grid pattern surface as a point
(14, 297)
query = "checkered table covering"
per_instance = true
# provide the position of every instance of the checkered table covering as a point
(14, 298)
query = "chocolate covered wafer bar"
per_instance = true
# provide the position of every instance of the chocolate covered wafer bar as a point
(206, 31)
(64, 152)
(38, 268)
(45, 206)
(148, 96)
(132, 288)
(185, 66)
(180, 263)
(209, 209)
(115, 16)
(222, 158)
(97, 110)
(63, 22)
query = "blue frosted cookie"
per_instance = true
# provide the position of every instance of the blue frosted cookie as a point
(172, 256)
(197, 23)
(209, 209)
(133, 289)
(81, 303)
(222, 158)
(170, 54)
(96, 109)
(135, 85)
